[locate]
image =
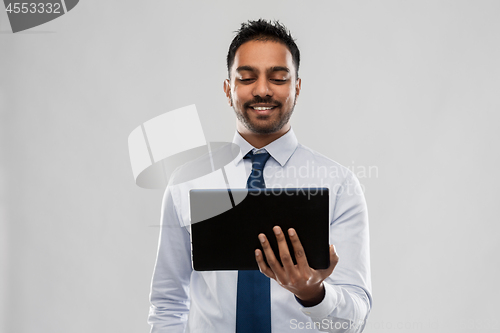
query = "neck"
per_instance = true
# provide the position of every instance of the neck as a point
(258, 140)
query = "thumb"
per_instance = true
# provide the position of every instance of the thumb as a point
(334, 259)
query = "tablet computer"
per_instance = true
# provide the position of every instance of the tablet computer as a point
(225, 224)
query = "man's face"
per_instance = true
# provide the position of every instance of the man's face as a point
(263, 87)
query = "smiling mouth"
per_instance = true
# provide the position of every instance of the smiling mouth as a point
(262, 108)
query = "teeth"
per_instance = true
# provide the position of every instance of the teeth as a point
(262, 108)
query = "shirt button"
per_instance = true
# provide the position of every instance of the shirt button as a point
(308, 313)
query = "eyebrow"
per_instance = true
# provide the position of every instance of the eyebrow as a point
(246, 68)
(272, 69)
(279, 69)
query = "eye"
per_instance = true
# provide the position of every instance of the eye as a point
(246, 80)
(279, 81)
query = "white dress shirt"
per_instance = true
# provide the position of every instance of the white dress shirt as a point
(184, 300)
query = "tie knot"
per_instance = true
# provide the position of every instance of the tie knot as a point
(258, 160)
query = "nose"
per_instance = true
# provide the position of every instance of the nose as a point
(262, 88)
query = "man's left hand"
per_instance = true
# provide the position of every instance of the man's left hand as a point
(300, 279)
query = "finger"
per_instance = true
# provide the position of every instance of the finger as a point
(264, 269)
(334, 259)
(298, 250)
(285, 256)
(271, 258)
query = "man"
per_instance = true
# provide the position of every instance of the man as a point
(263, 87)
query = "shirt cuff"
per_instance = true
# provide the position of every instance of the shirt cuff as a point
(326, 306)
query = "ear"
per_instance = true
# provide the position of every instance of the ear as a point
(297, 88)
(227, 91)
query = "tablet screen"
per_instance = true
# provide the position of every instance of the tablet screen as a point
(225, 224)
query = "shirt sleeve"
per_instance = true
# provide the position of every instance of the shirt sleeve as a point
(170, 284)
(347, 300)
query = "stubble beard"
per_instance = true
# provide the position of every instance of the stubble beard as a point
(267, 128)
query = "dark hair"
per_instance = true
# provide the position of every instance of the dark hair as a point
(265, 31)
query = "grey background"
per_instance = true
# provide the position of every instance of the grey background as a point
(408, 87)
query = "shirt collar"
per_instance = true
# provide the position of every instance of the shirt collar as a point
(280, 149)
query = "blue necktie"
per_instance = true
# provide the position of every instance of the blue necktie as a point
(253, 303)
